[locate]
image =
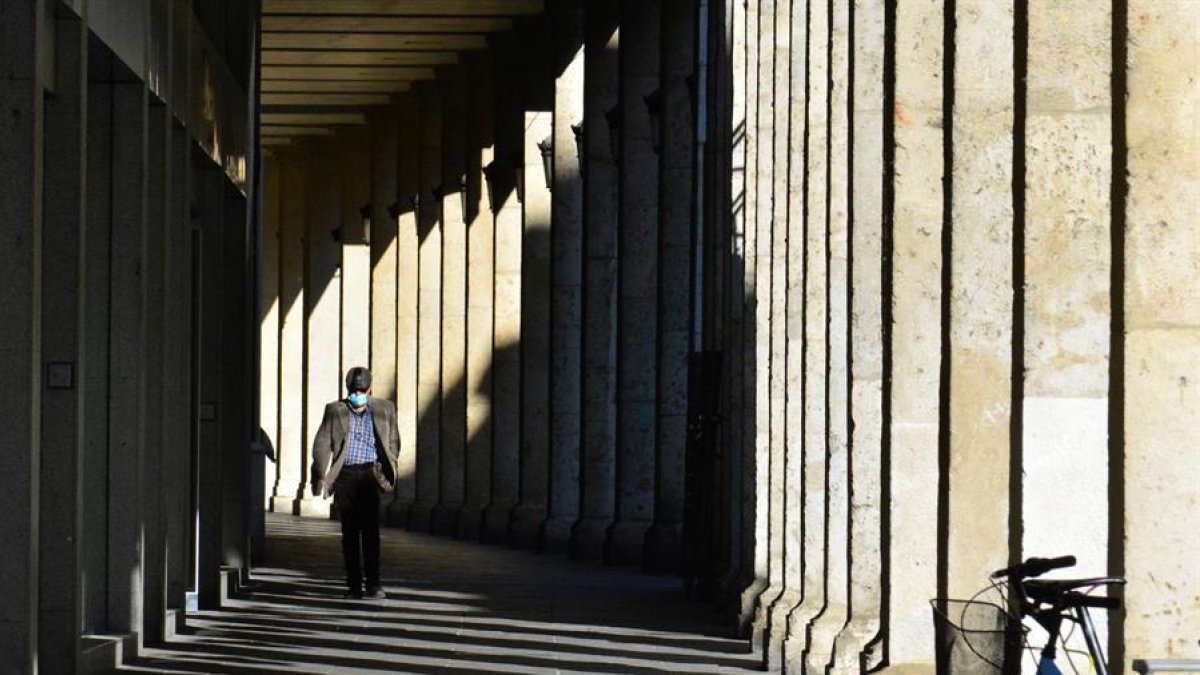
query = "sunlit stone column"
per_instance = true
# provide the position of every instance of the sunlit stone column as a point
(407, 267)
(676, 160)
(638, 236)
(567, 269)
(598, 461)
(429, 318)
(1161, 363)
(270, 320)
(506, 382)
(355, 268)
(856, 645)
(452, 456)
(530, 513)
(916, 315)
(751, 448)
(384, 151)
(63, 246)
(816, 340)
(481, 274)
(1068, 267)
(825, 627)
(322, 300)
(126, 458)
(291, 443)
(980, 350)
(773, 51)
(791, 154)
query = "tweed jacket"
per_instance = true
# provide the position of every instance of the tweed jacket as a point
(329, 446)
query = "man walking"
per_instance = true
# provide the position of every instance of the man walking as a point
(355, 455)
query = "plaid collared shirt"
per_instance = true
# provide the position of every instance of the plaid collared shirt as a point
(361, 447)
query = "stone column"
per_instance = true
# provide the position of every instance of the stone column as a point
(429, 320)
(732, 433)
(536, 292)
(127, 321)
(506, 359)
(452, 457)
(598, 453)
(291, 443)
(676, 158)
(977, 414)
(855, 644)
(323, 381)
(1067, 271)
(750, 448)
(791, 155)
(210, 215)
(481, 273)
(773, 51)
(270, 320)
(638, 236)
(63, 246)
(407, 265)
(158, 195)
(179, 338)
(1160, 366)
(94, 379)
(567, 272)
(384, 247)
(816, 355)
(834, 613)
(235, 407)
(916, 300)
(21, 314)
(355, 267)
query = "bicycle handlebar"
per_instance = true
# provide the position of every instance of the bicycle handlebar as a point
(1033, 567)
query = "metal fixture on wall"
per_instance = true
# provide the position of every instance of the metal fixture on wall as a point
(546, 147)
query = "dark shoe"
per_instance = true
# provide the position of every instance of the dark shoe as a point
(375, 593)
(353, 595)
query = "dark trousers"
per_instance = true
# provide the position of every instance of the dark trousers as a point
(356, 496)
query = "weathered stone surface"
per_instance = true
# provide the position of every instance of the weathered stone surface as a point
(291, 443)
(1162, 348)
(384, 150)
(407, 266)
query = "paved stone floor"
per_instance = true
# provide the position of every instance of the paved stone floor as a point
(451, 607)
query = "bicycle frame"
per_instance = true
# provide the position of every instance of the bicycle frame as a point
(1051, 620)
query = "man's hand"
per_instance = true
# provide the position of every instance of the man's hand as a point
(318, 487)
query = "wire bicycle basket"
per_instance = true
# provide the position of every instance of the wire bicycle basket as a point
(976, 638)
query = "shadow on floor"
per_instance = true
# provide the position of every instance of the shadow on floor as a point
(451, 607)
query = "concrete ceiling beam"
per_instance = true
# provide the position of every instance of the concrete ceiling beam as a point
(334, 86)
(293, 130)
(312, 118)
(377, 73)
(405, 7)
(322, 99)
(276, 57)
(384, 24)
(373, 41)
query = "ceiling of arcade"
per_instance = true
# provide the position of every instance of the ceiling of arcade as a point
(325, 63)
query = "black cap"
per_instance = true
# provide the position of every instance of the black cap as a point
(358, 378)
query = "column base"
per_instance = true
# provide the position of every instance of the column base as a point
(623, 545)
(470, 522)
(312, 507)
(556, 534)
(525, 527)
(588, 537)
(279, 504)
(496, 519)
(663, 548)
(444, 519)
(420, 516)
(396, 513)
(775, 632)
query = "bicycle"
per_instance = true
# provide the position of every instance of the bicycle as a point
(989, 639)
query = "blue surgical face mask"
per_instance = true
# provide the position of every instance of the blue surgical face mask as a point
(357, 399)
